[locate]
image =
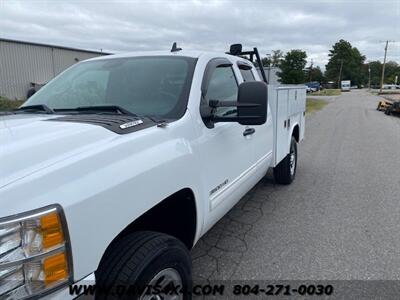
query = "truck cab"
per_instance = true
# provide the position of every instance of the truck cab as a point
(128, 160)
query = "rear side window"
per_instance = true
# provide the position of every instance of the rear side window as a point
(247, 74)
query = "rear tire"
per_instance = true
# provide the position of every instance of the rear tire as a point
(140, 259)
(285, 171)
(388, 111)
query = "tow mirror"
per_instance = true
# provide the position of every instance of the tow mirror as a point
(251, 105)
(252, 100)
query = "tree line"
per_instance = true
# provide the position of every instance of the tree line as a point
(345, 63)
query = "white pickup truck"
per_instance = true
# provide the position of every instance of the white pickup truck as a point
(115, 169)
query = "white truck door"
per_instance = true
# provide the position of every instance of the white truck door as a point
(262, 139)
(225, 152)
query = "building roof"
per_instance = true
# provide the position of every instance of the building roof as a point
(52, 46)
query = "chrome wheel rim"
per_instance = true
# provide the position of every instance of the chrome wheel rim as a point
(161, 280)
(292, 162)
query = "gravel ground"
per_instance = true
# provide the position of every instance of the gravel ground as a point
(339, 220)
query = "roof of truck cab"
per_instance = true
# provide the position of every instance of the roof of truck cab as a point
(183, 53)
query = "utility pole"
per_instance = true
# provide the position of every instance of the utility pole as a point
(383, 67)
(311, 70)
(369, 76)
(340, 72)
(269, 66)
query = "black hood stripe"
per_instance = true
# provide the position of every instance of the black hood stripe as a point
(111, 123)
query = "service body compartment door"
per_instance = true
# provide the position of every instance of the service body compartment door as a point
(281, 126)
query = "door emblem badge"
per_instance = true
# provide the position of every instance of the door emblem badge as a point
(218, 187)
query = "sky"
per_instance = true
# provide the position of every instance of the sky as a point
(125, 26)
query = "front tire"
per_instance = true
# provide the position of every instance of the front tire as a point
(285, 171)
(143, 259)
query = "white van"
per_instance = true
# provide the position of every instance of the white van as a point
(345, 85)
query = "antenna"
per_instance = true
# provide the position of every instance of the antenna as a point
(175, 48)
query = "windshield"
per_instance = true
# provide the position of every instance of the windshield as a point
(156, 85)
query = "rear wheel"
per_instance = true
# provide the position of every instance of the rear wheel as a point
(141, 260)
(285, 171)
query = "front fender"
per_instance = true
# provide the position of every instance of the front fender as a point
(104, 190)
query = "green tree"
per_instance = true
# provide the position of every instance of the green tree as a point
(392, 69)
(273, 60)
(351, 60)
(266, 61)
(276, 57)
(376, 72)
(315, 74)
(292, 67)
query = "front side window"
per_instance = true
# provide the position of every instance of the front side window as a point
(223, 87)
(157, 85)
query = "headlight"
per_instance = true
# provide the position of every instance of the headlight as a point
(35, 255)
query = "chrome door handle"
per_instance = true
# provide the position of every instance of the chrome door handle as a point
(248, 131)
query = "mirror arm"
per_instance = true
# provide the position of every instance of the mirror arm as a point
(217, 103)
(217, 119)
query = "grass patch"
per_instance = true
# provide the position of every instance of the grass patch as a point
(388, 92)
(327, 92)
(314, 105)
(7, 104)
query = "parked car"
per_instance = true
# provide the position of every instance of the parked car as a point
(313, 86)
(116, 168)
(389, 86)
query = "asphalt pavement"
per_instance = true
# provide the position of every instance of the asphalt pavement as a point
(339, 220)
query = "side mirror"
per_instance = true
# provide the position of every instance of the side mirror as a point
(251, 106)
(252, 103)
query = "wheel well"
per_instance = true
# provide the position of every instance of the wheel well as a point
(296, 133)
(175, 215)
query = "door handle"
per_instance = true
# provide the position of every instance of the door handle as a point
(248, 131)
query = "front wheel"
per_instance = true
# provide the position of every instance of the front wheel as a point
(285, 171)
(145, 265)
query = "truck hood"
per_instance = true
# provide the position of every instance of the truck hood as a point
(29, 144)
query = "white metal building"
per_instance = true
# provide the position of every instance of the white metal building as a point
(24, 63)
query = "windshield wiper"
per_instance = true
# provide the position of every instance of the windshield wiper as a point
(230, 112)
(98, 109)
(38, 108)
